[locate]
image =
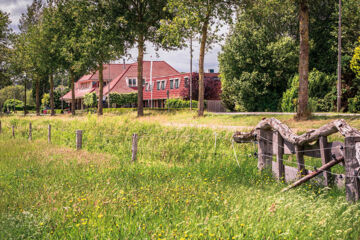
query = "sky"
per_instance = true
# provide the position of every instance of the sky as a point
(179, 59)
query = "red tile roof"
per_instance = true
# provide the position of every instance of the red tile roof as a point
(119, 75)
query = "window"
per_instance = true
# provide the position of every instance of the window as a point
(132, 82)
(187, 83)
(158, 85)
(177, 83)
(146, 87)
(162, 85)
(171, 83)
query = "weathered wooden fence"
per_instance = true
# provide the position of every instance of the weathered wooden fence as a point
(275, 138)
(215, 106)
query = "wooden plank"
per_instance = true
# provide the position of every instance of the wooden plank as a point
(30, 131)
(265, 150)
(313, 174)
(134, 147)
(352, 165)
(325, 157)
(279, 143)
(79, 134)
(49, 133)
(300, 160)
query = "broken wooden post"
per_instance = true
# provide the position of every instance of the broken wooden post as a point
(30, 131)
(134, 147)
(49, 134)
(325, 157)
(300, 160)
(352, 165)
(314, 173)
(265, 149)
(279, 143)
(13, 131)
(79, 139)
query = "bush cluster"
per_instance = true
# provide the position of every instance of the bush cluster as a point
(123, 100)
(179, 103)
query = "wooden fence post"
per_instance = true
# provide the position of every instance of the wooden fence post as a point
(279, 141)
(134, 147)
(30, 131)
(79, 139)
(325, 157)
(13, 131)
(352, 159)
(49, 134)
(0, 127)
(300, 160)
(265, 149)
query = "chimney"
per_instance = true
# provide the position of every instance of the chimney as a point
(124, 63)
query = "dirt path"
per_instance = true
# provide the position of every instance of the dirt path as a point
(232, 128)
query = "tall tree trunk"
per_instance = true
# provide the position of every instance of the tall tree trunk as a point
(72, 93)
(338, 102)
(140, 75)
(52, 106)
(101, 89)
(303, 112)
(191, 56)
(201, 67)
(25, 110)
(37, 97)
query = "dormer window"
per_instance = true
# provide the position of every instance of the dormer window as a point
(132, 82)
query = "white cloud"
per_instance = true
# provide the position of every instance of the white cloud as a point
(15, 8)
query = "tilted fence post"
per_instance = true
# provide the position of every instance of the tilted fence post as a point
(299, 152)
(352, 166)
(265, 148)
(79, 134)
(49, 134)
(325, 158)
(30, 131)
(134, 147)
(279, 143)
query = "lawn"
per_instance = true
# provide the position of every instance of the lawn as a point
(183, 186)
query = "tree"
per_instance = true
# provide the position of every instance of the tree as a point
(259, 56)
(70, 25)
(212, 89)
(104, 38)
(143, 22)
(5, 33)
(90, 99)
(303, 111)
(27, 55)
(198, 17)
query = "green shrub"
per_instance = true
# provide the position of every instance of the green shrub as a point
(354, 104)
(90, 100)
(179, 103)
(11, 103)
(321, 92)
(124, 100)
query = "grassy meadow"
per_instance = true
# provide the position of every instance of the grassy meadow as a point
(186, 183)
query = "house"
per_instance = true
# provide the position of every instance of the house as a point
(122, 78)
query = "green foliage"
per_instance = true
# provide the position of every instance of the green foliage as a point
(12, 104)
(5, 33)
(124, 100)
(45, 101)
(355, 61)
(322, 93)
(259, 57)
(90, 99)
(179, 103)
(11, 92)
(354, 105)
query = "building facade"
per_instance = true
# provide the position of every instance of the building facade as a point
(122, 78)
